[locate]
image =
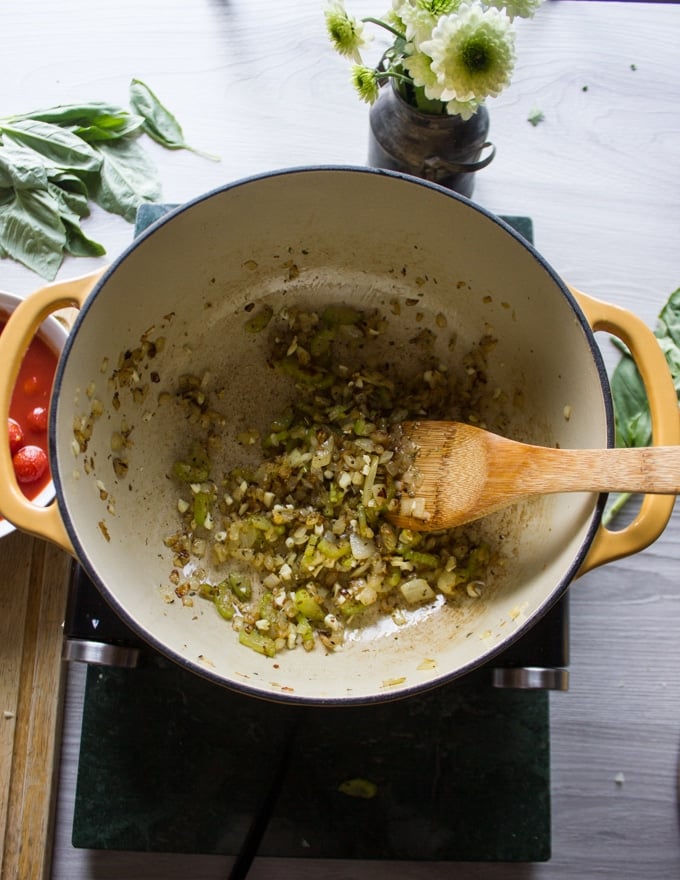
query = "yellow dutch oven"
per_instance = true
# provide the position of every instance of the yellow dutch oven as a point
(312, 236)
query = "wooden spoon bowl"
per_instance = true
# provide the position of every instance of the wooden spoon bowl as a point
(464, 473)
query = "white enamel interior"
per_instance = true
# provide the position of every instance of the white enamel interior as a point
(315, 236)
(54, 333)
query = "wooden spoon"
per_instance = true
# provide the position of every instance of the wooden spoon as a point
(463, 473)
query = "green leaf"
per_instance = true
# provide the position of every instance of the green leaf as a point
(21, 169)
(32, 232)
(631, 406)
(106, 129)
(159, 123)
(58, 146)
(53, 162)
(73, 190)
(669, 319)
(92, 122)
(127, 178)
(78, 244)
(72, 205)
(535, 117)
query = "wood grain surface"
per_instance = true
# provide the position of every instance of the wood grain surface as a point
(32, 604)
(256, 83)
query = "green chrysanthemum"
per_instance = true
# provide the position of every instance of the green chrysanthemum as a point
(365, 81)
(473, 54)
(419, 17)
(517, 8)
(346, 32)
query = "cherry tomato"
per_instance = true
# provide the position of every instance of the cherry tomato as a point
(37, 418)
(16, 435)
(30, 463)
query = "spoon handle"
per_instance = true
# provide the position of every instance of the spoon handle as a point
(651, 470)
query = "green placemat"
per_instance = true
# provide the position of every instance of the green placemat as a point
(170, 762)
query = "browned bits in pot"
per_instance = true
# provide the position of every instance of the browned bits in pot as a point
(294, 550)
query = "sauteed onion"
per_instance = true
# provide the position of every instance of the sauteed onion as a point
(296, 549)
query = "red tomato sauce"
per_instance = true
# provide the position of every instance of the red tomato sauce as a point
(29, 408)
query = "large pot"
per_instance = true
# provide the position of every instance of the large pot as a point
(313, 236)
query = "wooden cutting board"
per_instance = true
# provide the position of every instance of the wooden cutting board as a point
(34, 578)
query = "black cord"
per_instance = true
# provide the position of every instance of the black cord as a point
(253, 839)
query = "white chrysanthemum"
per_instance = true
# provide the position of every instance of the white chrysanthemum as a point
(517, 8)
(473, 53)
(345, 31)
(419, 68)
(464, 109)
(419, 17)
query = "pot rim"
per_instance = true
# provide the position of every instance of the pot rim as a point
(553, 595)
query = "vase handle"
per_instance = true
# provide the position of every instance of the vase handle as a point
(434, 167)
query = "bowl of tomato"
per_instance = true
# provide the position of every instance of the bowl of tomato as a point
(27, 423)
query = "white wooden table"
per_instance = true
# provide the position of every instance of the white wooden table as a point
(257, 83)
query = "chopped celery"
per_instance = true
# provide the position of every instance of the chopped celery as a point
(202, 504)
(221, 596)
(420, 559)
(195, 468)
(257, 641)
(240, 586)
(224, 602)
(306, 632)
(333, 549)
(307, 604)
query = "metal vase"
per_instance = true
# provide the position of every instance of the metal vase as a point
(442, 148)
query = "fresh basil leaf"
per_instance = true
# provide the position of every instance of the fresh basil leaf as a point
(32, 232)
(103, 132)
(71, 204)
(91, 122)
(73, 114)
(631, 408)
(159, 123)
(57, 145)
(21, 169)
(669, 319)
(71, 183)
(53, 162)
(78, 244)
(672, 355)
(127, 177)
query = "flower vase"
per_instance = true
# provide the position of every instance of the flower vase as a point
(442, 148)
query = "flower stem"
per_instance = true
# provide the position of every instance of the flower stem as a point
(384, 24)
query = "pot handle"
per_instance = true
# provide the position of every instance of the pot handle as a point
(655, 510)
(21, 326)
